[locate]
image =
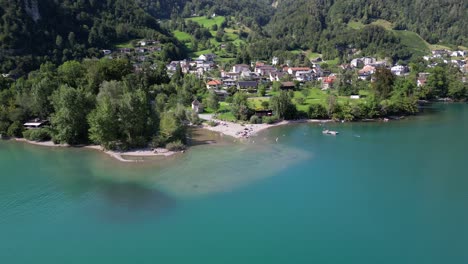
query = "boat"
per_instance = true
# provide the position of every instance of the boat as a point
(330, 132)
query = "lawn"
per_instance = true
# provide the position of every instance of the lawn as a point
(383, 23)
(182, 36)
(413, 41)
(123, 45)
(208, 22)
(356, 25)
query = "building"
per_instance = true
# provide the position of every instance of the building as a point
(207, 57)
(35, 123)
(275, 61)
(288, 86)
(214, 84)
(247, 85)
(399, 70)
(238, 68)
(197, 107)
(327, 82)
(264, 70)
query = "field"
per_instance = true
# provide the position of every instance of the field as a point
(208, 22)
(232, 36)
(413, 41)
(314, 96)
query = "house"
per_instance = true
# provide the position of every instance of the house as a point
(399, 70)
(35, 123)
(229, 82)
(246, 85)
(304, 76)
(207, 57)
(275, 61)
(276, 76)
(238, 68)
(264, 70)
(125, 50)
(367, 70)
(293, 70)
(357, 63)
(327, 82)
(288, 86)
(230, 75)
(197, 107)
(355, 97)
(106, 52)
(421, 81)
(214, 84)
(221, 94)
(439, 53)
(261, 113)
(368, 60)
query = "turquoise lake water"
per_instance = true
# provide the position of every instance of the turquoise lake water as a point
(392, 192)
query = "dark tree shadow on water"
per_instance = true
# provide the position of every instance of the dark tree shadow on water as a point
(131, 202)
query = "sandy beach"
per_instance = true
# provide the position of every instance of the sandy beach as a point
(237, 130)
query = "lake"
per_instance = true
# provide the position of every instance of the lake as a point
(393, 192)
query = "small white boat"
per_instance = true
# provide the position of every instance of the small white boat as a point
(330, 132)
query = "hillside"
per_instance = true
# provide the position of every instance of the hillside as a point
(32, 31)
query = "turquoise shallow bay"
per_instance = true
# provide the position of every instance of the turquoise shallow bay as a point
(392, 192)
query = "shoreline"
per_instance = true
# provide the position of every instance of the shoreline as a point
(118, 155)
(224, 128)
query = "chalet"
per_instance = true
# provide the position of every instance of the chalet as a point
(399, 70)
(245, 85)
(214, 84)
(238, 68)
(264, 70)
(367, 70)
(35, 123)
(125, 50)
(439, 53)
(357, 63)
(230, 75)
(275, 61)
(197, 107)
(327, 82)
(207, 57)
(421, 81)
(293, 70)
(304, 76)
(276, 76)
(261, 113)
(288, 86)
(221, 94)
(229, 82)
(368, 60)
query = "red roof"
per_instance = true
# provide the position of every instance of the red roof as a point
(329, 79)
(215, 82)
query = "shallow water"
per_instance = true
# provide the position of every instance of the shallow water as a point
(378, 193)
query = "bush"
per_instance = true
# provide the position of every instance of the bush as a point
(15, 129)
(300, 100)
(175, 146)
(40, 134)
(317, 111)
(255, 120)
(270, 119)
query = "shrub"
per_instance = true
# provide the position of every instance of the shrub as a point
(270, 119)
(317, 111)
(300, 100)
(40, 134)
(255, 120)
(15, 129)
(175, 146)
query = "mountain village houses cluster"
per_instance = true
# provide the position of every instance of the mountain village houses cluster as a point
(247, 77)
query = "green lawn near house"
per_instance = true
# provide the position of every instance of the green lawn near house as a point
(182, 36)
(413, 41)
